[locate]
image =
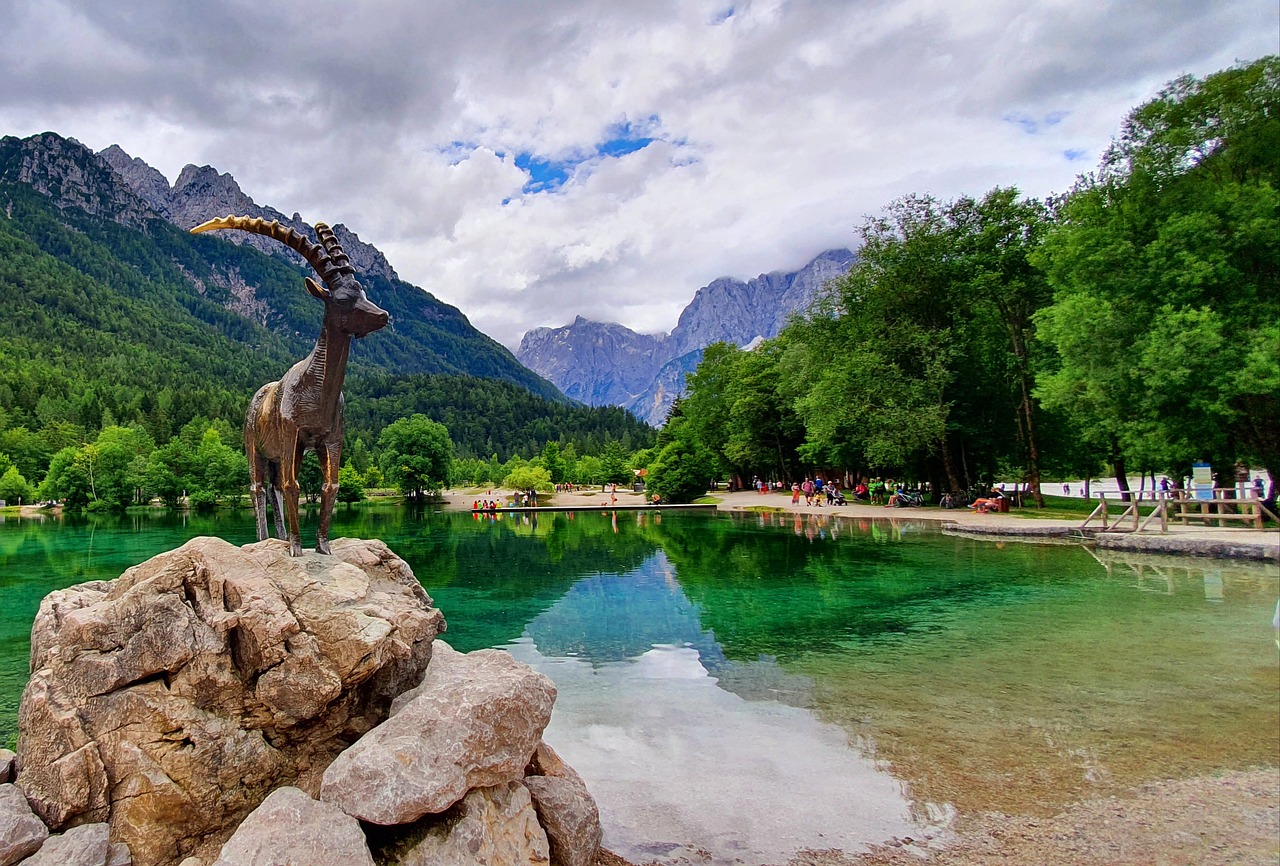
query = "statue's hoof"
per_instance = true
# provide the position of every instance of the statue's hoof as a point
(295, 549)
(322, 546)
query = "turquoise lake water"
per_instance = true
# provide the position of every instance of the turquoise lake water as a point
(837, 683)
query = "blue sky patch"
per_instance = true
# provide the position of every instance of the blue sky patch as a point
(548, 175)
(1034, 125)
(1075, 154)
(722, 16)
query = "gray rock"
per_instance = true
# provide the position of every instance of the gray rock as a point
(291, 829)
(118, 855)
(21, 832)
(173, 699)
(7, 765)
(569, 814)
(86, 845)
(474, 722)
(494, 826)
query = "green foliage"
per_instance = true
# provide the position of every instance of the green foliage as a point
(552, 461)
(14, 488)
(613, 464)
(529, 478)
(681, 472)
(350, 484)
(1166, 278)
(416, 454)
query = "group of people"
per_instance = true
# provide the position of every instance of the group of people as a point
(816, 491)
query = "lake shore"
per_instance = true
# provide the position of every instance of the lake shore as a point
(1017, 525)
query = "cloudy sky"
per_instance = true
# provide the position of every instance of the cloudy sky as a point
(532, 161)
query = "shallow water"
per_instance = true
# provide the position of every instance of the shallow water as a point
(741, 688)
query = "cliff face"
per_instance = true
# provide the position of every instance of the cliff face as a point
(607, 364)
(66, 172)
(201, 193)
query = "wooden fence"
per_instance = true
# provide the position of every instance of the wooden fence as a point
(1180, 507)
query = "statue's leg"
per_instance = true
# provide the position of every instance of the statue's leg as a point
(330, 454)
(290, 458)
(258, 479)
(277, 502)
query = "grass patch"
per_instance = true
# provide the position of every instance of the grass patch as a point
(708, 500)
(766, 509)
(1072, 507)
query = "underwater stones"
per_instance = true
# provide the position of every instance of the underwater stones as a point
(21, 832)
(474, 722)
(291, 829)
(172, 700)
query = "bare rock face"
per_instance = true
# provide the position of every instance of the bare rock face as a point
(565, 808)
(494, 826)
(172, 700)
(7, 759)
(291, 829)
(21, 832)
(474, 722)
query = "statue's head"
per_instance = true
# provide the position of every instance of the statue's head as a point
(344, 298)
(346, 303)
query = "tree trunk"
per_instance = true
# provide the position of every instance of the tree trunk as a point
(1033, 451)
(1122, 480)
(948, 465)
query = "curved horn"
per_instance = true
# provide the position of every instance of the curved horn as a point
(341, 263)
(315, 256)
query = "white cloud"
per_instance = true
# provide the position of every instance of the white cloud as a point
(779, 126)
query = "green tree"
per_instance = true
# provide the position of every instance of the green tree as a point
(613, 463)
(529, 478)
(14, 488)
(416, 455)
(350, 484)
(1166, 279)
(681, 472)
(553, 462)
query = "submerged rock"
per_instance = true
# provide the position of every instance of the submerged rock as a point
(172, 700)
(474, 722)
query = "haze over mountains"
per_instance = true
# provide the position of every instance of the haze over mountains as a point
(604, 364)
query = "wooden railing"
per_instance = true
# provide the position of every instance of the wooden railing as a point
(1181, 507)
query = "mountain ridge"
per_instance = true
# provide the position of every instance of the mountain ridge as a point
(604, 363)
(427, 335)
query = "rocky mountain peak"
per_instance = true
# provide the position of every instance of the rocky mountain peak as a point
(607, 364)
(201, 193)
(72, 176)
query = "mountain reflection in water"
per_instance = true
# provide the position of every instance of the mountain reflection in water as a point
(751, 686)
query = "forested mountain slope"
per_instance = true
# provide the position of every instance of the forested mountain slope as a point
(111, 313)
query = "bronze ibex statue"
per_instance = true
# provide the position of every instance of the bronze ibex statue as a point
(303, 411)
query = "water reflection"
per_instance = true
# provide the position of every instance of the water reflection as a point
(756, 684)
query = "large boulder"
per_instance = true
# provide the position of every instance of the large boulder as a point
(494, 826)
(474, 722)
(565, 808)
(291, 829)
(172, 700)
(21, 832)
(86, 845)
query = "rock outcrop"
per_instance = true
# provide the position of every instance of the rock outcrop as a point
(172, 700)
